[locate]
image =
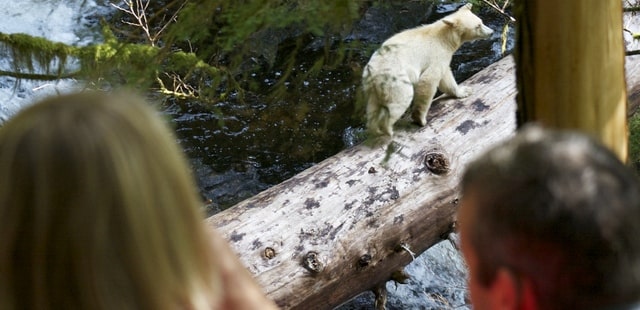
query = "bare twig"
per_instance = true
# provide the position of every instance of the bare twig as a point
(632, 9)
(138, 10)
(634, 35)
(505, 4)
(172, 19)
(180, 89)
(405, 247)
(500, 10)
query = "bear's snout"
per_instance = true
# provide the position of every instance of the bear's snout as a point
(486, 31)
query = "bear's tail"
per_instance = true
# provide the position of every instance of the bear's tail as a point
(377, 119)
(378, 114)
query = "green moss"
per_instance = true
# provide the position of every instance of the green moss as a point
(31, 52)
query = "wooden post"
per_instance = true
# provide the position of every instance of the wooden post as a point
(570, 67)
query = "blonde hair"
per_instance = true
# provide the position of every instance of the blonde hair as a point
(98, 210)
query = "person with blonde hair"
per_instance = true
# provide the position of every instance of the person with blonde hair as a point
(98, 210)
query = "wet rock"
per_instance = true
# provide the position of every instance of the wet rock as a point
(381, 21)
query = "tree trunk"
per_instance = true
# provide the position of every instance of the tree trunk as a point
(570, 60)
(346, 224)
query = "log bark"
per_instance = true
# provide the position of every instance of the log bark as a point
(346, 224)
(570, 59)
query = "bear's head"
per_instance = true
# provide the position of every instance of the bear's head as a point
(467, 25)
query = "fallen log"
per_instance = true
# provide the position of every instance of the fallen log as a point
(346, 224)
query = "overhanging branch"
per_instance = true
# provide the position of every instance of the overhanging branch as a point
(36, 76)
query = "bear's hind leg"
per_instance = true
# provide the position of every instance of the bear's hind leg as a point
(425, 90)
(386, 103)
(399, 99)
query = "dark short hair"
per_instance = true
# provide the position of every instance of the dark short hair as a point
(563, 210)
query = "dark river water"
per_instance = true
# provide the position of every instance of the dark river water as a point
(241, 148)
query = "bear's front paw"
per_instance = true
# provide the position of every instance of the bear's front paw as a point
(463, 91)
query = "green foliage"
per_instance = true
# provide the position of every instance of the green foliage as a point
(117, 62)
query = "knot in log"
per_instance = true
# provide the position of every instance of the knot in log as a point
(269, 253)
(436, 163)
(311, 262)
(364, 261)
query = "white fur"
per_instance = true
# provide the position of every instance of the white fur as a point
(412, 65)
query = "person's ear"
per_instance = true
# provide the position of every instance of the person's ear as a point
(506, 289)
(513, 292)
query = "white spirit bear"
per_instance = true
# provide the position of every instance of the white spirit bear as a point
(412, 64)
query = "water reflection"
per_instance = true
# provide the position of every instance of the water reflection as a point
(239, 148)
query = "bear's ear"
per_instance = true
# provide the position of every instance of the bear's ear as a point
(466, 6)
(449, 22)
